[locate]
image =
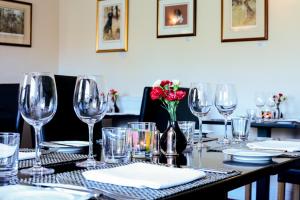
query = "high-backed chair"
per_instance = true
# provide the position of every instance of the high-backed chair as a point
(10, 117)
(65, 125)
(151, 111)
(291, 176)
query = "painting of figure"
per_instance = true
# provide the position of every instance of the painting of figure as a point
(11, 21)
(112, 18)
(243, 13)
(176, 15)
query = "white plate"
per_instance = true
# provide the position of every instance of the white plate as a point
(288, 146)
(204, 131)
(250, 156)
(62, 144)
(14, 192)
(66, 146)
(26, 155)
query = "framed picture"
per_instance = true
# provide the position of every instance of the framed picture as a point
(112, 26)
(244, 20)
(176, 18)
(15, 23)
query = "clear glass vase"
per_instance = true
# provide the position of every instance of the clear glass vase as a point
(278, 113)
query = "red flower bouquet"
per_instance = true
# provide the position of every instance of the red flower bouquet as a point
(169, 94)
(114, 94)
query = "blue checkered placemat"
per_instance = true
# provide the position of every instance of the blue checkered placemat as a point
(76, 178)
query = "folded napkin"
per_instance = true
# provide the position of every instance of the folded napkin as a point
(26, 155)
(144, 175)
(288, 146)
(7, 150)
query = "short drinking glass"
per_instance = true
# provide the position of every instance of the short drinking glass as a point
(188, 129)
(142, 138)
(9, 145)
(240, 128)
(116, 144)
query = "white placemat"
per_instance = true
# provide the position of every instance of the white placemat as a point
(288, 146)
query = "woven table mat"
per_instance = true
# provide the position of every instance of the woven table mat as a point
(52, 158)
(76, 178)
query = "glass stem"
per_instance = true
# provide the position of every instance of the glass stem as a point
(91, 129)
(225, 122)
(200, 130)
(37, 162)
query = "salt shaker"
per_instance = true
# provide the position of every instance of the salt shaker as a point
(156, 144)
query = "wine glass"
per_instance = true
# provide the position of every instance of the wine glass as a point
(200, 102)
(271, 104)
(225, 102)
(90, 105)
(260, 101)
(37, 105)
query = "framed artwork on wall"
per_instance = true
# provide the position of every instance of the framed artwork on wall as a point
(112, 26)
(176, 18)
(244, 20)
(15, 23)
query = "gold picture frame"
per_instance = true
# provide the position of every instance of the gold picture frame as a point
(244, 20)
(15, 23)
(176, 18)
(112, 26)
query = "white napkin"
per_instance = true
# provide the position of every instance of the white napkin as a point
(7, 150)
(288, 146)
(26, 155)
(142, 175)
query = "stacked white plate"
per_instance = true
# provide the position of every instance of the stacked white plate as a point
(251, 156)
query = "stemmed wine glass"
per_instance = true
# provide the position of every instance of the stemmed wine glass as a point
(200, 102)
(37, 105)
(260, 101)
(90, 105)
(271, 104)
(225, 102)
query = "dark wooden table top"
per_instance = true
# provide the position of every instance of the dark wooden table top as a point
(249, 172)
(217, 160)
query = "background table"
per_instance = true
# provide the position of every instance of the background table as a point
(264, 129)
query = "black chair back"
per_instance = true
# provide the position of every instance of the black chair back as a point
(65, 125)
(10, 117)
(152, 111)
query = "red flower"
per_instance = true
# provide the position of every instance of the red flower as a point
(157, 93)
(180, 94)
(165, 82)
(171, 96)
(280, 94)
(113, 91)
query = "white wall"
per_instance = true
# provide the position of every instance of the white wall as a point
(43, 55)
(269, 66)
(252, 66)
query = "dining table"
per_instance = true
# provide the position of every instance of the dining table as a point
(223, 174)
